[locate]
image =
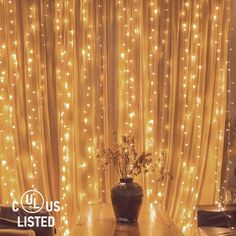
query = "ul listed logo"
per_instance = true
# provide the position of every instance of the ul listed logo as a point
(34, 199)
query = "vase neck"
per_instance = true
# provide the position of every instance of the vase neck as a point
(126, 180)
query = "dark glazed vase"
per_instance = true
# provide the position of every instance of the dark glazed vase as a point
(126, 197)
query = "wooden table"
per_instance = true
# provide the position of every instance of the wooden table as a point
(216, 231)
(99, 221)
(15, 232)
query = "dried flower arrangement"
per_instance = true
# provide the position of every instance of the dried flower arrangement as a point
(124, 158)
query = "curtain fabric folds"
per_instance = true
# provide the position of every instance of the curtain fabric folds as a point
(74, 72)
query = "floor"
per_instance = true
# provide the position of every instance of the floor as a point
(100, 221)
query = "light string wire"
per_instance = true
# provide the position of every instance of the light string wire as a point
(223, 201)
(228, 130)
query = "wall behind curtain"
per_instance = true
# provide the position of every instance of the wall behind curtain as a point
(74, 72)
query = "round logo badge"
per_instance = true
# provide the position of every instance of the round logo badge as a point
(32, 201)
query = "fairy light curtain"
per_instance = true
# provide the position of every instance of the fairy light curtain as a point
(73, 72)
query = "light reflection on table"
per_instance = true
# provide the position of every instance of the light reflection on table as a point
(98, 220)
